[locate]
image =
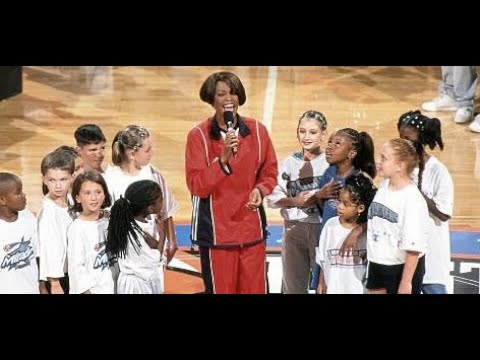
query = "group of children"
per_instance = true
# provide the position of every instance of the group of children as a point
(110, 229)
(342, 234)
(99, 230)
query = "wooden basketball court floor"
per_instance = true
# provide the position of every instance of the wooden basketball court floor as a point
(58, 99)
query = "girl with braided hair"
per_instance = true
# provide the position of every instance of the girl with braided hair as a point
(348, 152)
(398, 223)
(298, 182)
(136, 239)
(437, 189)
(345, 274)
(132, 150)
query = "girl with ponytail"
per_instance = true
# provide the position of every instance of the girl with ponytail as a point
(436, 185)
(136, 239)
(398, 221)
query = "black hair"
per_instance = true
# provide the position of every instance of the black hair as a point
(207, 91)
(93, 176)
(89, 134)
(429, 129)
(362, 191)
(6, 179)
(362, 142)
(122, 226)
(419, 149)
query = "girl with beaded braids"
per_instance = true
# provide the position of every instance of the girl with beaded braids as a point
(437, 189)
(398, 224)
(135, 238)
(345, 274)
(131, 155)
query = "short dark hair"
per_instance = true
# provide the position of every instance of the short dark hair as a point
(89, 134)
(6, 179)
(58, 159)
(207, 91)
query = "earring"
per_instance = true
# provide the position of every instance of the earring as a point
(356, 217)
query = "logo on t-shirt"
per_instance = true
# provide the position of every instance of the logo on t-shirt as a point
(295, 187)
(356, 258)
(383, 212)
(101, 260)
(18, 255)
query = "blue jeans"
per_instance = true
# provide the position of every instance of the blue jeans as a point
(434, 289)
(315, 277)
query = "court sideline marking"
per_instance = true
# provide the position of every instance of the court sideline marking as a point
(269, 103)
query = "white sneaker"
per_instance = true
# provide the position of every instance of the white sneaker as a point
(443, 102)
(463, 115)
(475, 124)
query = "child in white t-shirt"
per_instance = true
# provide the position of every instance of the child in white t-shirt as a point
(18, 240)
(132, 150)
(137, 240)
(345, 274)
(298, 182)
(53, 220)
(89, 267)
(438, 191)
(398, 223)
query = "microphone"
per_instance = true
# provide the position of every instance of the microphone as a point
(228, 117)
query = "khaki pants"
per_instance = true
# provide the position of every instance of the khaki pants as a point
(298, 255)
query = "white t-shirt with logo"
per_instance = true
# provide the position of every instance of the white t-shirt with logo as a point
(88, 263)
(398, 221)
(18, 252)
(295, 176)
(141, 271)
(343, 274)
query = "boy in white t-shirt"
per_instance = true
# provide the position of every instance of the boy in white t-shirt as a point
(18, 240)
(53, 220)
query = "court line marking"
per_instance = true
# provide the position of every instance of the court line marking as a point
(269, 102)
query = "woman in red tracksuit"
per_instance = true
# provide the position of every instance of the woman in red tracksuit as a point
(229, 170)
